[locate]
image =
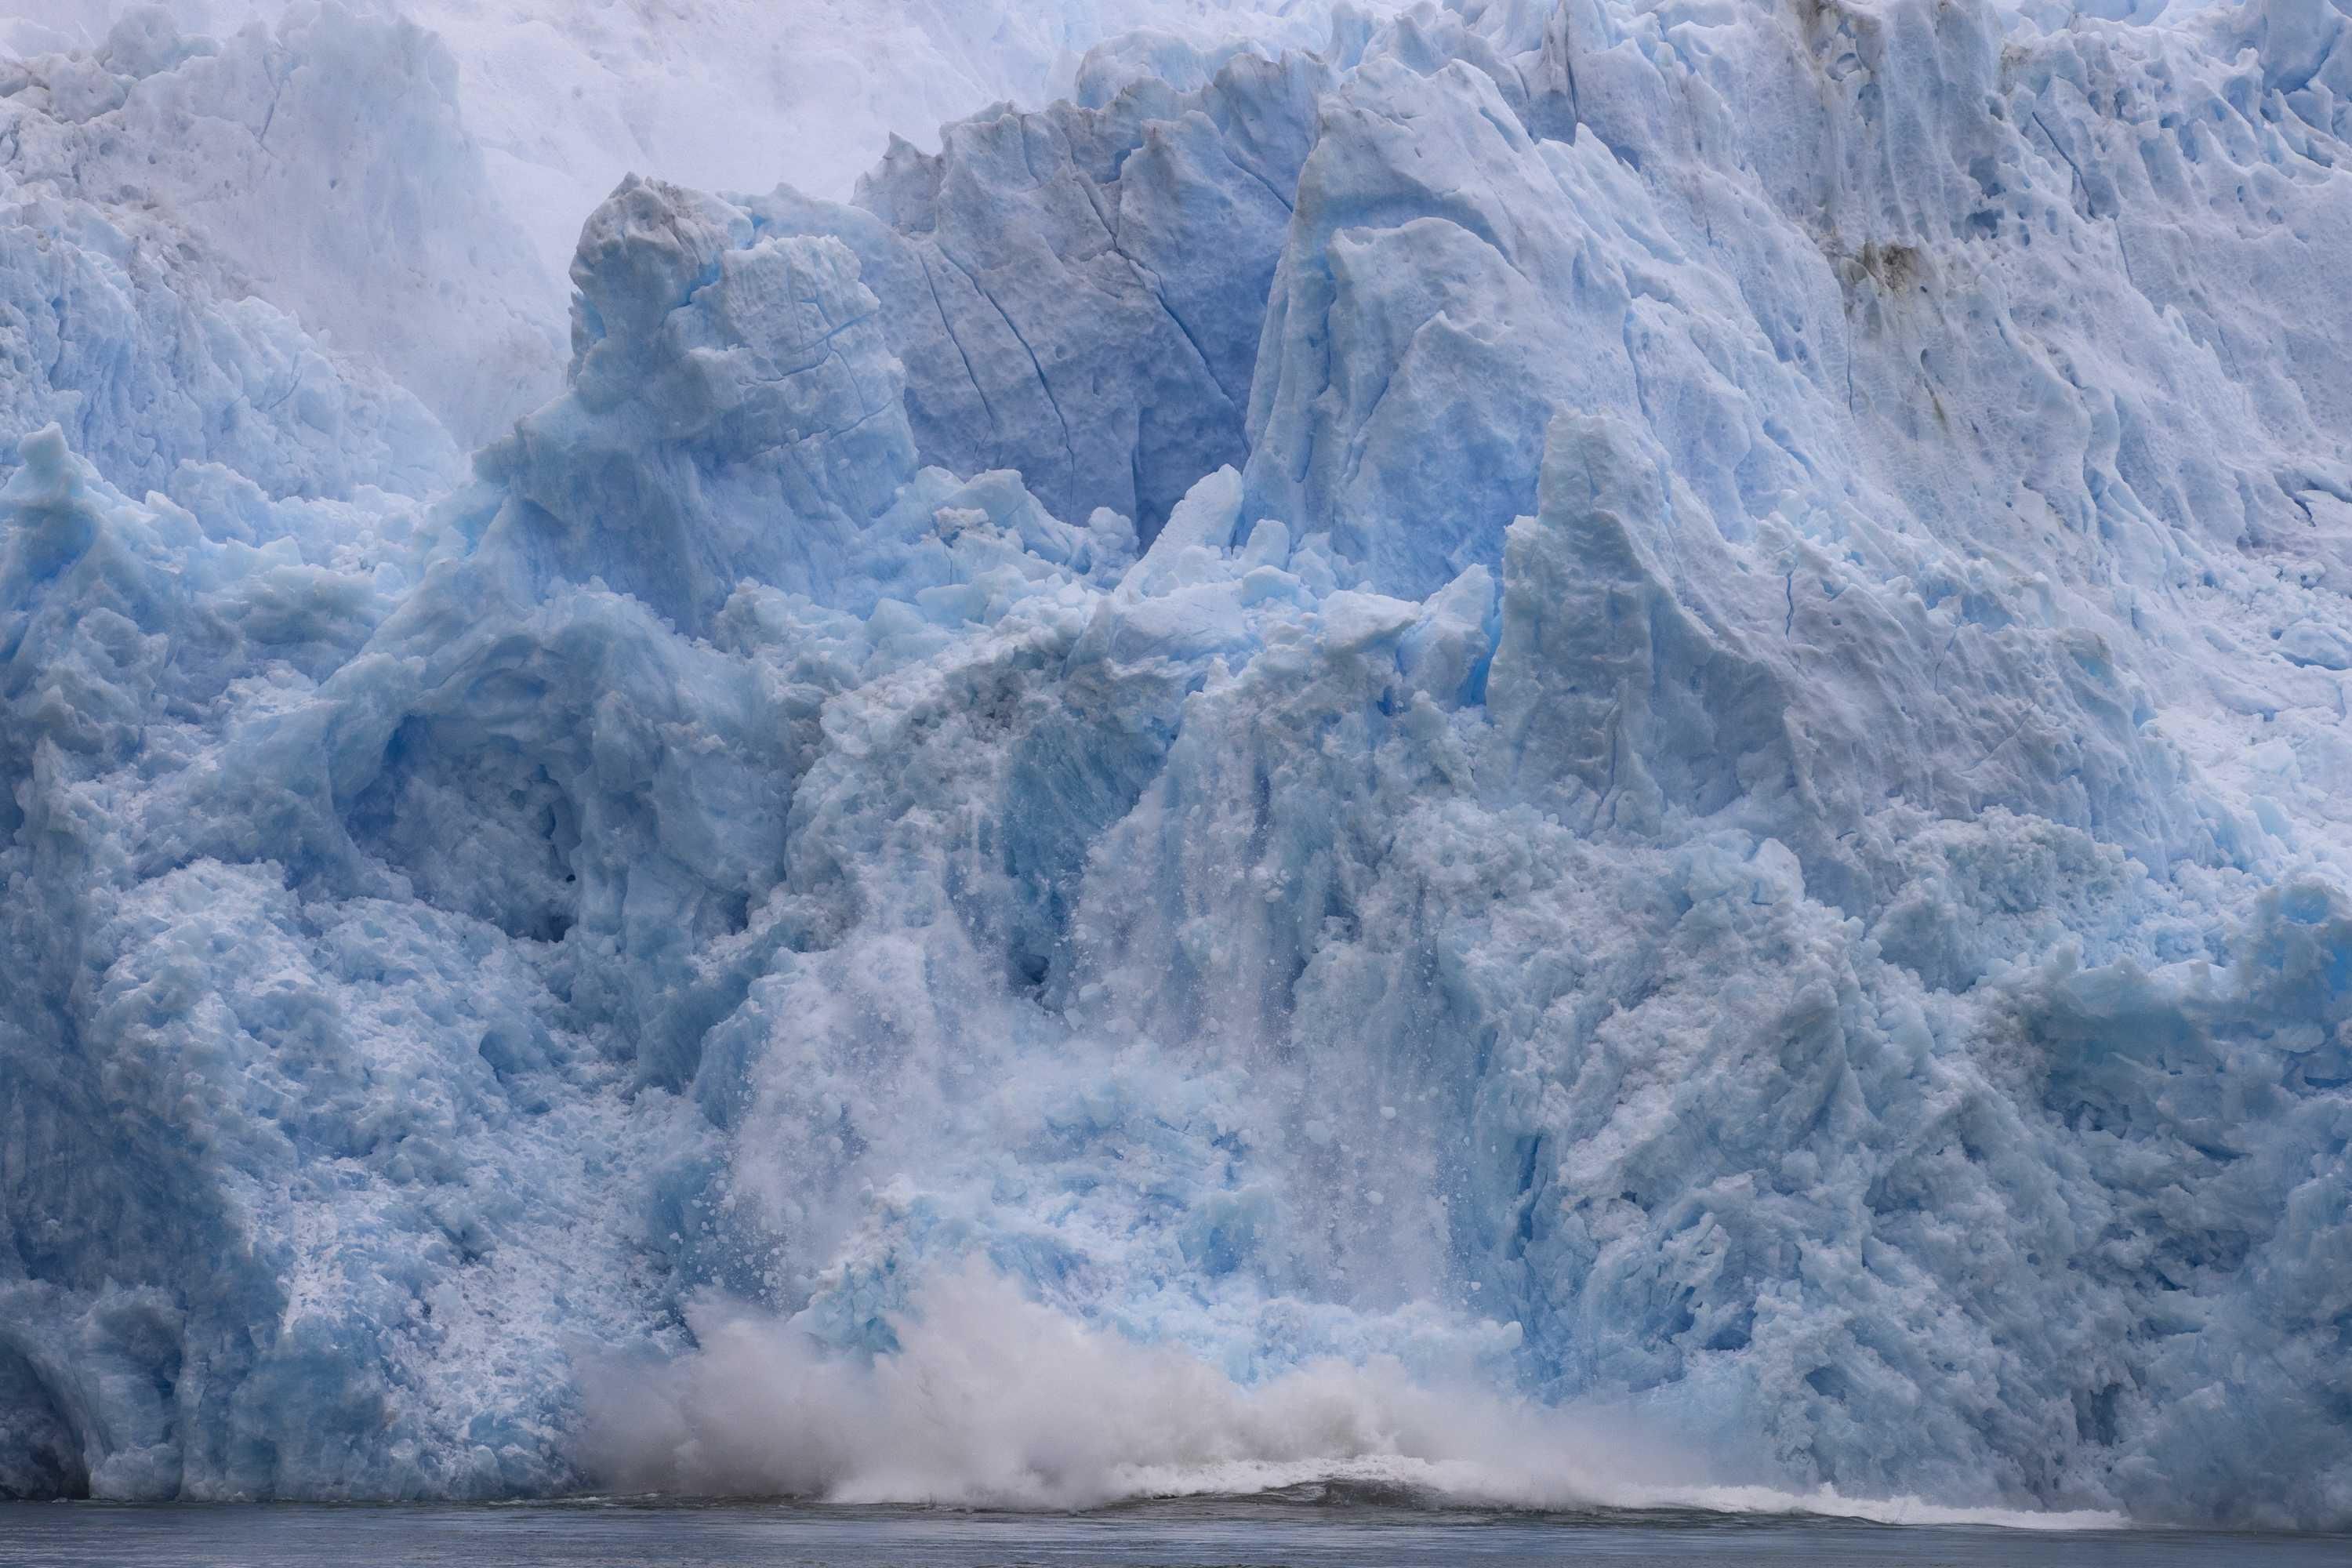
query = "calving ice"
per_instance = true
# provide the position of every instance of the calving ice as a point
(1582, 754)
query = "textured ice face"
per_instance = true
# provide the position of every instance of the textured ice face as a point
(319, 165)
(408, 177)
(1639, 706)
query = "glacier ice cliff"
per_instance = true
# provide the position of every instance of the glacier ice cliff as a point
(406, 177)
(1640, 706)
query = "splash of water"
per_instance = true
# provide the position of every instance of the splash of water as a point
(996, 1401)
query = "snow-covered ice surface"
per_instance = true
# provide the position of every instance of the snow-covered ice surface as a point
(1584, 755)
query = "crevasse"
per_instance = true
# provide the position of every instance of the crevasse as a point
(1638, 704)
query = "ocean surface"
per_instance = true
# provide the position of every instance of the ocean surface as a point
(1354, 1532)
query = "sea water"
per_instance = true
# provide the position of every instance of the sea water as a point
(1322, 1530)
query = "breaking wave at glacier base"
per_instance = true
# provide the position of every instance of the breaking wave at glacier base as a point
(994, 1401)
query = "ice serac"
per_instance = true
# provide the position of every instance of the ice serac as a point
(1077, 293)
(1640, 705)
(733, 412)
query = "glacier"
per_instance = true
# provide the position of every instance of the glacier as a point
(1593, 751)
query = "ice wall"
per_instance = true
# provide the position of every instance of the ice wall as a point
(408, 177)
(1640, 707)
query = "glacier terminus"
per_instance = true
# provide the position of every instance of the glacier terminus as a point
(1586, 753)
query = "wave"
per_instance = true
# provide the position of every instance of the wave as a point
(994, 1401)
